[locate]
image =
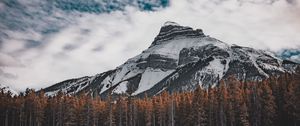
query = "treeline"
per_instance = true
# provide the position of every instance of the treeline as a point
(273, 102)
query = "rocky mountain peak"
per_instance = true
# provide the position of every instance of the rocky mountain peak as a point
(171, 23)
(172, 30)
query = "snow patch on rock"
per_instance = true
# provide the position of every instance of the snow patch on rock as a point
(150, 77)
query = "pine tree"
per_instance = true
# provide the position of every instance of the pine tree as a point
(268, 105)
(242, 109)
(160, 111)
(297, 94)
(199, 113)
(171, 111)
(278, 86)
(231, 102)
(30, 106)
(222, 104)
(100, 114)
(121, 111)
(40, 108)
(69, 118)
(212, 107)
(148, 114)
(290, 100)
(239, 115)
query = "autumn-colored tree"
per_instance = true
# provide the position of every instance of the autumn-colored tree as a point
(183, 110)
(41, 102)
(222, 98)
(268, 107)
(290, 99)
(198, 108)
(297, 95)
(69, 118)
(240, 115)
(212, 107)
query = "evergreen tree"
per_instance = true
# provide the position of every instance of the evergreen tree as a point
(41, 103)
(290, 100)
(199, 113)
(267, 105)
(222, 103)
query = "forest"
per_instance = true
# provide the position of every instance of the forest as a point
(271, 102)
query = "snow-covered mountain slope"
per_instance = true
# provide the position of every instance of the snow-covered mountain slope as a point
(8, 89)
(179, 59)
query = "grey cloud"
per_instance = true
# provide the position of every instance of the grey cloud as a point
(292, 1)
(32, 43)
(9, 61)
(70, 47)
(98, 49)
(85, 31)
(60, 56)
(7, 75)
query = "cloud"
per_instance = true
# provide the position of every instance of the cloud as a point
(8, 61)
(93, 43)
(292, 54)
(295, 58)
(7, 75)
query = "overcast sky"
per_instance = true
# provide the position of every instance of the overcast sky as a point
(94, 43)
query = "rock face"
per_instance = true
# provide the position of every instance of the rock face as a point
(172, 30)
(179, 59)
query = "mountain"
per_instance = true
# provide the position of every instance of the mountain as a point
(179, 59)
(8, 89)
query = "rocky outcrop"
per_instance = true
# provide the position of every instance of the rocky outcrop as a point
(172, 30)
(157, 61)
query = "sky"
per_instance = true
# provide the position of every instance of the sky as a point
(84, 44)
